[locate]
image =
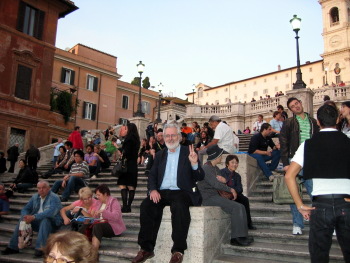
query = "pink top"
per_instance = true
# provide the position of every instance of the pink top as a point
(113, 214)
(94, 206)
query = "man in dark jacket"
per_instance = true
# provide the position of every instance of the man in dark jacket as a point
(296, 130)
(12, 156)
(172, 181)
(32, 157)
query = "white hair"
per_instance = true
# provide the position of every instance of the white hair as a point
(172, 125)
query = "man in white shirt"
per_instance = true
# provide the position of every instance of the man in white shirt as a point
(258, 123)
(324, 159)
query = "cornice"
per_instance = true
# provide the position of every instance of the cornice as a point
(85, 65)
(335, 52)
(136, 92)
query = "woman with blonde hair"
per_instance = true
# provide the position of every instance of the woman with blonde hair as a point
(69, 247)
(86, 203)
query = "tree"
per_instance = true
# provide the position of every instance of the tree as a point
(145, 83)
(136, 81)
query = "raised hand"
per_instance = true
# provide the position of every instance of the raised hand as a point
(193, 157)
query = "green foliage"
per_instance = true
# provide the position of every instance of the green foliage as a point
(62, 102)
(136, 81)
(145, 83)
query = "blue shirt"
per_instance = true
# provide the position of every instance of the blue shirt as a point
(57, 149)
(170, 174)
(277, 125)
(4, 206)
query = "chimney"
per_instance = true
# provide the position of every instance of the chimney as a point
(279, 68)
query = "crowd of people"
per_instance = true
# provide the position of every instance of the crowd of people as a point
(173, 157)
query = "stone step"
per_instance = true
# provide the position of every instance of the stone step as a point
(281, 252)
(245, 259)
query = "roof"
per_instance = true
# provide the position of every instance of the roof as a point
(71, 7)
(79, 44)
(177, 100)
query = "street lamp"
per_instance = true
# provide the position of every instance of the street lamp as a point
(159, 120)
(193, 85)
(139, 113)
(325, 71)
(299, 84)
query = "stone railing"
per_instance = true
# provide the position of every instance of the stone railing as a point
(337, 94)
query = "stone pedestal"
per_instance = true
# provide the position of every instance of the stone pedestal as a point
(306, 98)
(208, 229)
(141, 124)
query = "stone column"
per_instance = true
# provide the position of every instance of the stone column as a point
(306, 97)
(141, 124)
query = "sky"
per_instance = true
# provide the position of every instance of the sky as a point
(186, 42)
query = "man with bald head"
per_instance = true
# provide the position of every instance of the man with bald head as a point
(43, 213)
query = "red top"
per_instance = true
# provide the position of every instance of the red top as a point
(75, 138)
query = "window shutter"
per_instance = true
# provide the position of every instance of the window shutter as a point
(72, 77)
(93, 114)
(63, 75)
(21, 12)
(84, 109)
(23, 82)
(95, 84)
(39, 25)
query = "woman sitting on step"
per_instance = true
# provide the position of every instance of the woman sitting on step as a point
(113, 224)
(234, 181)
(210, 188)
(25, 179)
(86, 205)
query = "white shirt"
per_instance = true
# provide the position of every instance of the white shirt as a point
(323, 186)
(224, 134)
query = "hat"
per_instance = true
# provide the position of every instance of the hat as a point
(214, 118)
(214, 152)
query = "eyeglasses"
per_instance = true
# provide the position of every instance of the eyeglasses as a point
(173, 136)
(51, 259)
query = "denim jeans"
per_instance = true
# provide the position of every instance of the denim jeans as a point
(22, 187)
(329, 214)
(298, 219)
(74, 184)
(262, 159)
(44, 228)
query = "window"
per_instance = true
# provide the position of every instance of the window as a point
(30, 20)
(311, 81)
(254, 82)
(287, 86)
(216, 92)
(245, 96)
(91, 83)
(276, 88)
(334, 13)
(245, 85)
(23, 82)
(125, 102)
(200, 92)
(67, 76)
(265, 91)
(146, 107)
(89, 111)
(235, 87)
(255, 93)
(123, 121)
(275, 77)
(226, 89)
(287, 75)
(265, 80)
(235, 97)
(216, 102)
(310, 69)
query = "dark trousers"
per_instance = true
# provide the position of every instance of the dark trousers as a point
(12, 166)
(245, 201)
(329, 214)
(32, 163)
(151, 217)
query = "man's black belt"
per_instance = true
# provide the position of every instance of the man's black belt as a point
(331, 196)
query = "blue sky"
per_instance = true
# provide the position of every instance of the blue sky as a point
(184, 42)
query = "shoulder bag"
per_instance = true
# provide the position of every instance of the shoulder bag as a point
(281, 193)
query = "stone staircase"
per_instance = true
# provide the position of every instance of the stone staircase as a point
(273, 239)
(244, 140)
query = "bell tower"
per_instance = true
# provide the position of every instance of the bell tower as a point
(336, 37)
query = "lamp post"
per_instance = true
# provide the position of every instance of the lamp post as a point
(326, 71)
(299, 84)
(159, 120)
(193, 85)
(139, 113)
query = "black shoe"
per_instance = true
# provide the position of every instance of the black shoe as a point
(241, 241)
(251, 227)
(38, 253)
(124, 209)
(128, 209)
(63, 199)
(9, 251)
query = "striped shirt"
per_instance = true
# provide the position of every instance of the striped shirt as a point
(80, 168)
(304, 128)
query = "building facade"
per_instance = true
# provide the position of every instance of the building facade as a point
(93, 77)
(27, 46)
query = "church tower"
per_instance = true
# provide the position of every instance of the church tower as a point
(336, 37)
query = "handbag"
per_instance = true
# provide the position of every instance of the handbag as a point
(281, 193)
(25, 235)
(224, 194)
(119, 167)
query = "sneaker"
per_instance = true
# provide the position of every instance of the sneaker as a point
(297, 230)
(9, 251)
(271, 178)
(334, 233)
